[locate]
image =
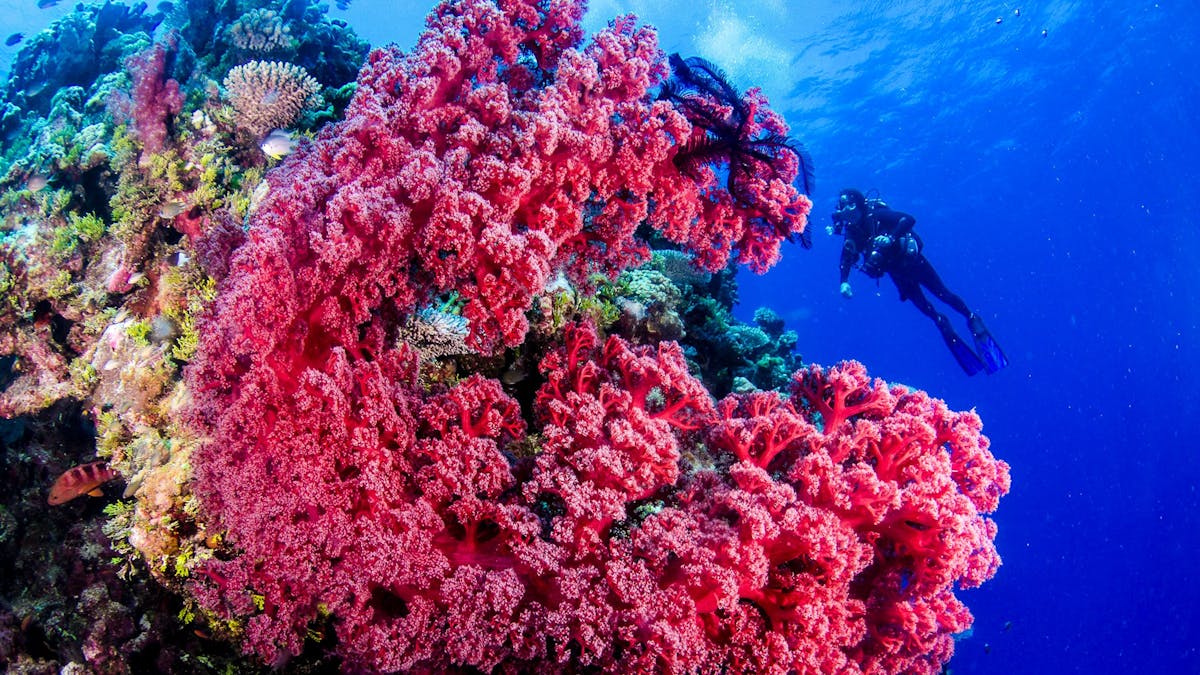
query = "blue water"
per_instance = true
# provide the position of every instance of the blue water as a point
(1054, 183)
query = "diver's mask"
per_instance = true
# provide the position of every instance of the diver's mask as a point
(842, 215)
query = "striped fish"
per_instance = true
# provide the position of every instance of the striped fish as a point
(80, 480)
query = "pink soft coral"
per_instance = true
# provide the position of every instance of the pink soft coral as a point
(414, 528)
(496, 154)
(827, 534)
(156, 98)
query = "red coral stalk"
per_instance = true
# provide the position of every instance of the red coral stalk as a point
(758, 427)
(838, 395)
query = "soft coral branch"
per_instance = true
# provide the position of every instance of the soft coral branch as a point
(156, 97)
(839, 395)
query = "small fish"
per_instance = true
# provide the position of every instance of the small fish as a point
(513, 376)
(14, 39)
(36, 182)
(43, 4)
(36, 87)
(278, 144)
(84, 479)
(172, 208)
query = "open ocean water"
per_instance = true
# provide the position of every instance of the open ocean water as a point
(1049, 152)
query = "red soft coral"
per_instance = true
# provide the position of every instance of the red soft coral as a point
(827, 535)
(608, 419)
(495, 155)
(601, 552)
(851, 548)
(913, 479)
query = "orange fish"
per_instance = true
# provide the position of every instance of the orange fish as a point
(80, 480)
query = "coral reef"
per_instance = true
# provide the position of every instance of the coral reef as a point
(613, 517)
(123, 186)
(457, 385)
(64, 604)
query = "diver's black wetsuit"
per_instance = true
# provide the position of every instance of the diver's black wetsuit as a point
(860, 239)
(908, 269)
(900, 257)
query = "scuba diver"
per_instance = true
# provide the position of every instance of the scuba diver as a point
(885, 240)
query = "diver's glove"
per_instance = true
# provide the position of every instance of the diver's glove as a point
(845, 290)
(883, 241)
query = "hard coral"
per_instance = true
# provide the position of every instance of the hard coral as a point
(269, 94)
(261, 30)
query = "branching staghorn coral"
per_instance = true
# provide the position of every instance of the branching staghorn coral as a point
(268, 95)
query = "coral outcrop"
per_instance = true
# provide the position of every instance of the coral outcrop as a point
(457, 385)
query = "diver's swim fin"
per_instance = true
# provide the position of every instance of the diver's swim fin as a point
(993, 357)
(970, 362)
(967, 359)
